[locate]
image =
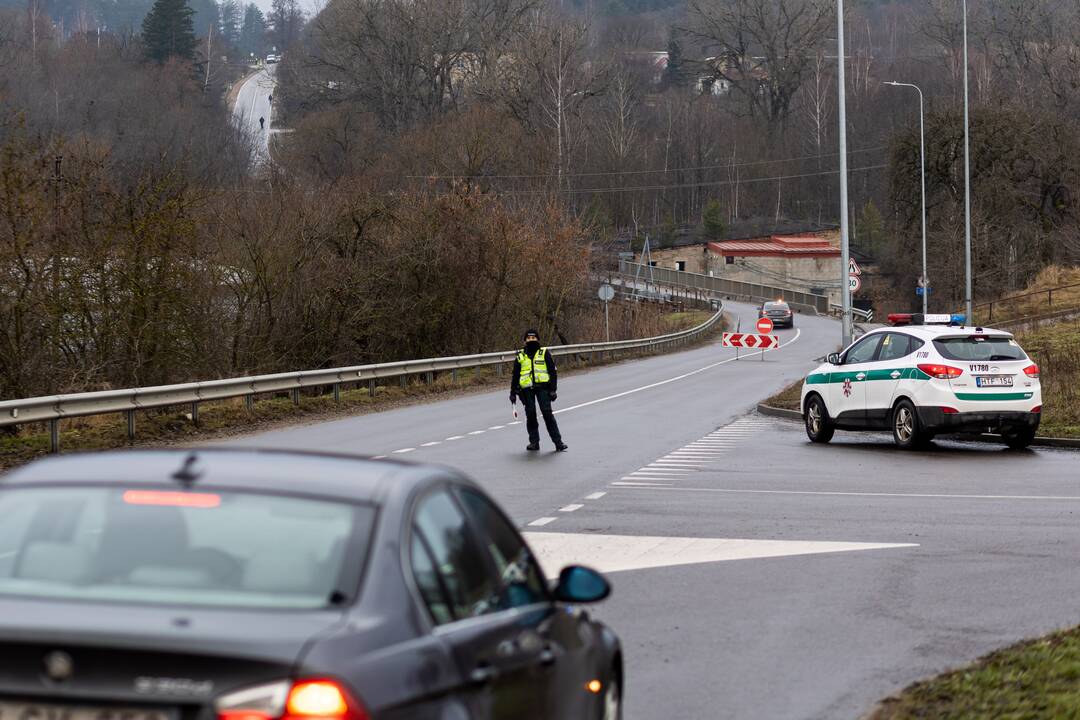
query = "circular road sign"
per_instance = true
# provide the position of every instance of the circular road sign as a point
(854, 283)
(606, 292)
(764, 326)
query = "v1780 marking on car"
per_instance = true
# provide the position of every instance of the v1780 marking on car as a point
(926, 376)
(261, 585)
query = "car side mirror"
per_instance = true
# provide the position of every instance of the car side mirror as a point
(579, 584)
(833, 358)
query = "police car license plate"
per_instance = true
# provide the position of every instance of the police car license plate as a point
(48, 711)
(993, 381)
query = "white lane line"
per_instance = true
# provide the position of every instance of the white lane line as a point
(496, 427)
(478, 432)
(635, 483)
(516, 422)
(432, 443)
(677, 463)
(539, 522)
(403, 450)
(689, 455)
(624, 393)
(571, 508)
(378, 457)
(454, 437)
(592, 496)
(835, 493)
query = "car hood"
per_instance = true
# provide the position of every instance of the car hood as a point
(124, 652)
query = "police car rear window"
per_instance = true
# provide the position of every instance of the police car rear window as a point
(979, 347)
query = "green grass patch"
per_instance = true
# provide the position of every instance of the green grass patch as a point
(1033, 679)
(790, 398)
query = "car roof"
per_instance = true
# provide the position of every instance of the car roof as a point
(935, 331)
(341, 476)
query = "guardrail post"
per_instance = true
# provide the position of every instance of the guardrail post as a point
(430, 377)
(195, 413)
(54, 436)
(499, 369)
(453, 375)
(403, 380)
(337, 392)
(249, 402)
(296, 396)
(129, 415)
(371, 387)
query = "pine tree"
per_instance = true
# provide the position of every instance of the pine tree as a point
(674, 73)
(229, 12)
(168, 31)
(253, 31)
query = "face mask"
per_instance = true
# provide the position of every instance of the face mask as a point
(532, 346)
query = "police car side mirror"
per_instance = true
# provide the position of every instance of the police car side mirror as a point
(833, 358)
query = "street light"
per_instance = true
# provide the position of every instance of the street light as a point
(922, 173)
(845, 252)
(967, 182)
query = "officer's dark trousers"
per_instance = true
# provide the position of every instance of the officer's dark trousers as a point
(530, 398)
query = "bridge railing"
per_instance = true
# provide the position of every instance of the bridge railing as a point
(722, 286)
(53, 408)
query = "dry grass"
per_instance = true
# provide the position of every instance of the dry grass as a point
(789, 398)
(1056, 349)
(1040, 303)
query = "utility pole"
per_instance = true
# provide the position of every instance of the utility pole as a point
(845, 251)
(922, 179)
(967, 183)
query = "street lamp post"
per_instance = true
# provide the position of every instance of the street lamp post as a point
(922, 175)
(845, 251)
(967, 183)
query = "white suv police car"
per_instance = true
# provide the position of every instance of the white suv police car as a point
(923, 377)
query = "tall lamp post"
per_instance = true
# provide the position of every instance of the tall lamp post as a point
(967, 183)
(845, 250)
(922, 175)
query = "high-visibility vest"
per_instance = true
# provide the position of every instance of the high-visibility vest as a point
(533, 369)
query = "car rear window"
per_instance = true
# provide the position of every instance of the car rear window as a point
(980, 347)
(200, 548)
(776, 306)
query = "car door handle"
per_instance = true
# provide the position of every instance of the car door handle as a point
(548, 656)
(895, 374)
(483, 674)
(860, 376)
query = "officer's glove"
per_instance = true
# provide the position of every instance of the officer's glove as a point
(554, 396)
(513, 398)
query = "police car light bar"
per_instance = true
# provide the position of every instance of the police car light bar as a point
(928, 319)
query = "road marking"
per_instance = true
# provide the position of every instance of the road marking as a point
(634, 482)
(516, 422)
(677, 463)
(595, 496)
(432, 443)
(378, 457)
(661, 471)
(454, 437)
(618, 553)
(539, 522)
(946, 496)
(496, 427)
(571, 508)
(798, 332)
(403, 450)
(478, 432)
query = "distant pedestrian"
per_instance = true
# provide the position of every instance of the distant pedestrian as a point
(270, 98)
(536, 380)
(262, 123)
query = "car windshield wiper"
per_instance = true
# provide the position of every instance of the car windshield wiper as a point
(1002, 357)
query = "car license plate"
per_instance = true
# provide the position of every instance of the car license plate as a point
(48, 711)
(993, 381)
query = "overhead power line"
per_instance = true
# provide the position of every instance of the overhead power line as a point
(722, 166)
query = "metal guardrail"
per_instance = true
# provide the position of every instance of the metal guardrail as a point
(53, 408)
(867, 315)
(723, 286)
(1049, 292)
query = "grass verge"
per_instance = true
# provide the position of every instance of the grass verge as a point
(1033, 679)
(225, 418)
(1056, 349)
(789, 398)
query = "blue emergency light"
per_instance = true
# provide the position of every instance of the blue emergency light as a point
(927, 319)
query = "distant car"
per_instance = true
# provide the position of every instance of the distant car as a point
(263, 585)
(926, 376)
(271, 59)
(779, 312)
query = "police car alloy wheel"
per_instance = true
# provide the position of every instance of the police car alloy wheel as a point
(818, 427)
(906, 430)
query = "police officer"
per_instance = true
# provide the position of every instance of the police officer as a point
(535, 380)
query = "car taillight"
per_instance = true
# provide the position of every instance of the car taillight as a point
(1032, 371)
(949, 410)
(1037, 409)
(941, 372)
(285, 700)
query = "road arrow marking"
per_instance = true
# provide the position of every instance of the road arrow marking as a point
(617, 553)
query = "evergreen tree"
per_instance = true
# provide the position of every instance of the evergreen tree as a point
(674, 73)
(253, 32)
(229, 11)
(168, 31)
(713, 220)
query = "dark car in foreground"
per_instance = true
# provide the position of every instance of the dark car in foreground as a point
(779, 312)
(264, 585)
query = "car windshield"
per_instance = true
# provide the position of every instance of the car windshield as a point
(980, 347)
(198, 548)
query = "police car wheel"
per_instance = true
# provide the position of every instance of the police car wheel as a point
(1018, 438)
(818, 426)
(907, 433)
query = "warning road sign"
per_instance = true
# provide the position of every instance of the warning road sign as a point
(750, 341)
(853, 267)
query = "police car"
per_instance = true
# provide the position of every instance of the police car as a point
(926, 375)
